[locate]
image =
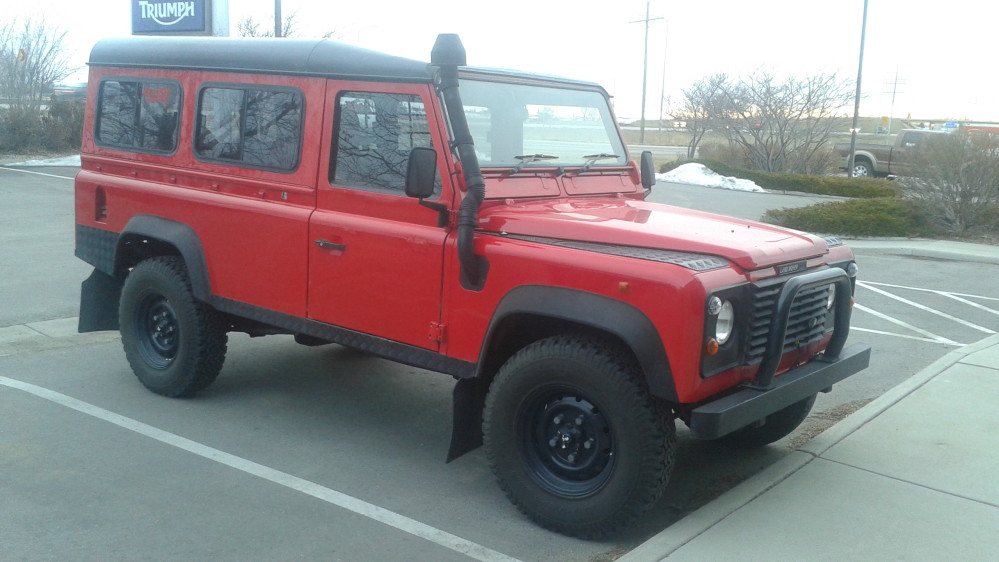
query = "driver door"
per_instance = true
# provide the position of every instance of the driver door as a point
(376, 255)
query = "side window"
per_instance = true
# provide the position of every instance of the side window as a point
(138, 115)
(911, 140)
(250, 126)
(374, 134)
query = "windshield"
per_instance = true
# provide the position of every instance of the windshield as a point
(519, 126)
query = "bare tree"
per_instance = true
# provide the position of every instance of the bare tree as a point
(786, 126)
(778, 126)
(249, 27)
(702, 107)
(32, 58)
(957, 178)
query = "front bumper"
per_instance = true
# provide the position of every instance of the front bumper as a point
(734, 411)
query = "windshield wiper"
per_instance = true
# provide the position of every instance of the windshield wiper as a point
(593, 158)
(528, 158)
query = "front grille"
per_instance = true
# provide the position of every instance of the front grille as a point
(806, 325)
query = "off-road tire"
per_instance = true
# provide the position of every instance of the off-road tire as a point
(175, 344)
(545, 404)
(773, 427)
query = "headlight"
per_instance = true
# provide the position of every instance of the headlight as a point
(852, 269)
(725, 323)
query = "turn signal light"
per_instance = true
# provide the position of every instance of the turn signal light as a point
(711, 347)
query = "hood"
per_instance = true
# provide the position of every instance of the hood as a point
(750, 245)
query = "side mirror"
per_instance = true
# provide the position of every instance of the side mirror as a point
(648, 168)
(421, 172)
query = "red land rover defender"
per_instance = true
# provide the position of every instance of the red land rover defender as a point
(484, 224)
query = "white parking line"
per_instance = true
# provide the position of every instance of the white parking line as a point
(926, 308)
(933, 337)
(36, 173)
(339, 499)
(937, 291)
(893, 334)
(971, 303)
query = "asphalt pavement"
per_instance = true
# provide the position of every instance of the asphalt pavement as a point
(910, 476)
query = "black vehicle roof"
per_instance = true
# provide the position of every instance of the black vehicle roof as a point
(301, 57)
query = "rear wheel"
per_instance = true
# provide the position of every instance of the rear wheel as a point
(863, 169)
(175, 344)
(771, 428)
(574, 438)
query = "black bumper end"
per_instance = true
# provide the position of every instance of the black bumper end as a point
(725, 415)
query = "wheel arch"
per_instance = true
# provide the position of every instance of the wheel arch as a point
(146, 236)
(533, 312)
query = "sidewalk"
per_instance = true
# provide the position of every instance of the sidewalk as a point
(937, 249)
(914, 475)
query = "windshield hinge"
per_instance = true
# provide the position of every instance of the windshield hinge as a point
(437, 333)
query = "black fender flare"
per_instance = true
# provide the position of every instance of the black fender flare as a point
(176, 234)
(618, 318)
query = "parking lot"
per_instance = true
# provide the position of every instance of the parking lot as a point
(326, 453)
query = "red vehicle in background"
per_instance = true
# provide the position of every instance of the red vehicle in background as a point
(489, 225)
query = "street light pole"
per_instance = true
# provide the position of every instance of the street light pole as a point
(856, 103)
(277, 18)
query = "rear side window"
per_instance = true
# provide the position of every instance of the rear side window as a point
(138, 115)
(250, 126)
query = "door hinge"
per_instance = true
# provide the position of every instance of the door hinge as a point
(438, 332)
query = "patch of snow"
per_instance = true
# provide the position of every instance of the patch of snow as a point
(698, 174)
(64, 161)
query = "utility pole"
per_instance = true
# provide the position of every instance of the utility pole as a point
(894, 83)
(645, 65)
(662, 87)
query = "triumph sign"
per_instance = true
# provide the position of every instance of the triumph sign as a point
(184, 17)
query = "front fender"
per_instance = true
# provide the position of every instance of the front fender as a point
(618, 318)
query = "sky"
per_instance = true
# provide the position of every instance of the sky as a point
(935, 56)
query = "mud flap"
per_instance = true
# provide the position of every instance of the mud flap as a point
(468, 400)
(99, 296)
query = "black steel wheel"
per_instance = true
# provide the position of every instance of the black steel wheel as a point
(175, 344)
(774, 427)
(574, 438)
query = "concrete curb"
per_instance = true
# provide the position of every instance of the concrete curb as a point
(933, 249)
(690, 527)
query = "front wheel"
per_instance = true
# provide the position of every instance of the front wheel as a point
(771, 428)
(175, 344)
(574, 438)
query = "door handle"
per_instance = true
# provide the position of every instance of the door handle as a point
(327, 245)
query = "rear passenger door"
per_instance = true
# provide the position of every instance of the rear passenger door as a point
(376, 255)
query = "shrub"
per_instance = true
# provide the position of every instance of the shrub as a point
(820, 185)
(886, 216)
(20, 129)
(957, 180)
(60, 127)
